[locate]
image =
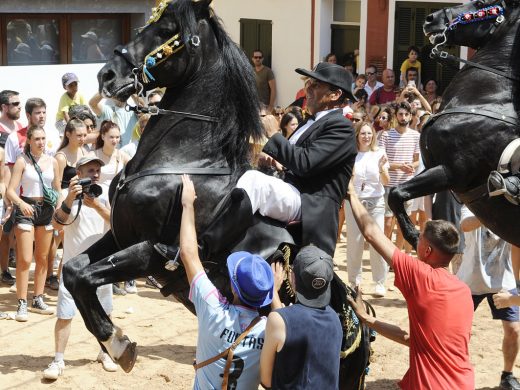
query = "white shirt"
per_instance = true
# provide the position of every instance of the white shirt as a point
(486, 261)
(88, 228)
(366, 174)
(298, 133)
(369, 89)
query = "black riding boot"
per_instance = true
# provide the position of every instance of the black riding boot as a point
(225, 231)
(508, 186)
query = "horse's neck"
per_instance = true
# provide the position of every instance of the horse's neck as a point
(170, 138)
(477, 87)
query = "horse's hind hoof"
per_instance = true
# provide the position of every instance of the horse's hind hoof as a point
(128, 357)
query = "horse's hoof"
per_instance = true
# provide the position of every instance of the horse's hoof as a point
(128, 357)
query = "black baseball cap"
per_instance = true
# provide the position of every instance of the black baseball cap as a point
(313, 270)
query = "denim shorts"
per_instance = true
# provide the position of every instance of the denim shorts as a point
(507, 314)
(42, 216)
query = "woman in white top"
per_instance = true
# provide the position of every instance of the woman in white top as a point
(114, 159)
(370, 174)
(32, 218)
(107, 151)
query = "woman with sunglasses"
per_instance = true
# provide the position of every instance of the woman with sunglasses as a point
(370, 174)
(278, 113)
(384, 120)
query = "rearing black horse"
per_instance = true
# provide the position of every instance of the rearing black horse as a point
(183, 48)
(207, 118)
(462, 144)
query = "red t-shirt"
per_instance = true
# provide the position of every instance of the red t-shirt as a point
(380, 96)
(440, 311)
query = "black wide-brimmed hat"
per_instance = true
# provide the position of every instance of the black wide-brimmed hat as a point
(332, 74)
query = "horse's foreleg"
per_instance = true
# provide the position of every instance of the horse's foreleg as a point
(83, 276)
(427, 182)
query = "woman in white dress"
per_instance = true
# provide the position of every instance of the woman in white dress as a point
(370, 174)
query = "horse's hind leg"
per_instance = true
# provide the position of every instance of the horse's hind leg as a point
(86, 272)
(427, 182)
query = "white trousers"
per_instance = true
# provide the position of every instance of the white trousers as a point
(271, 197)
(356, 242)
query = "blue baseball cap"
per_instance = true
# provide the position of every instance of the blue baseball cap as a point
(252, 278)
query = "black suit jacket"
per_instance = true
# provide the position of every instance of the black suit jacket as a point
(320, 166)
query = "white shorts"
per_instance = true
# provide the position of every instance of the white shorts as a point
(271, 197)
(66, 308)
(418, 204)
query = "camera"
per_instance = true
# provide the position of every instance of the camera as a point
(92, 190)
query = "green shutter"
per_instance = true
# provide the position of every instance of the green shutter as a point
(256, 34)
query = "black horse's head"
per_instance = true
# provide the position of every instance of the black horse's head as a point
(469, 24)
(166, 53)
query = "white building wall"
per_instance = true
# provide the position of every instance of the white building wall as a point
(291, 45)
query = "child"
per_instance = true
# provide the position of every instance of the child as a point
(70, 98)
(360, 83)
(411, 61)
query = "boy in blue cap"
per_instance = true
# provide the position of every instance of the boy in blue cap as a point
(223, 325)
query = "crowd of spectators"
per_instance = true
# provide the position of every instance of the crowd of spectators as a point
(388, 114)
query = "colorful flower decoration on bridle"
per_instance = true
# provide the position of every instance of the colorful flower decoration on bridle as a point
(168, 48)
(491, 12)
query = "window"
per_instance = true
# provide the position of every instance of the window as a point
(256, 34)
(37, 39)
(347, 11)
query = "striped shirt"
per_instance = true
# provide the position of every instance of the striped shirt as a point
(399, 148)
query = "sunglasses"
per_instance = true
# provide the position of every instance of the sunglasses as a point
(371, 73)
(90, 127)
(383, 118)
(258, 57)
(15, 104)
(355, 120)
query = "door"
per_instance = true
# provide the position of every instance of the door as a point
(256, 34)
(409, 20)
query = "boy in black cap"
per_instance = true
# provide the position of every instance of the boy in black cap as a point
(292, 356)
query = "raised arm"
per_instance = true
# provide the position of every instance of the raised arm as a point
(369, 228)
(188, 235)
(95, 104)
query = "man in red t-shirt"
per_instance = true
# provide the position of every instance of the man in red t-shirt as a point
(387, 93)
(440, 308)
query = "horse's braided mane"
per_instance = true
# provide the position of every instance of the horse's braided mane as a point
(232, 79)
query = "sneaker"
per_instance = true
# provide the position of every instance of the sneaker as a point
(38, 306)
(107, 362)
(380, 290)
(7, 278)
(130, 287)
(52, 282)
(13, 288)
(3, 315)
(21, 312)
(54, 370)
(116, 290)
(509, 382)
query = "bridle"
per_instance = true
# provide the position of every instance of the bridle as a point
(479, 15)
(142, 73)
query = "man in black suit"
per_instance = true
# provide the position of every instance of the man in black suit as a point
(318, 158)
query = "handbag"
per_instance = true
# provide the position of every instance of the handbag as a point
(50, 195)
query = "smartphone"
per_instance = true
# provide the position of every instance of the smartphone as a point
(411, 83)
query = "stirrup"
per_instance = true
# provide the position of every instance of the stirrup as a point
(171, 264)
(496, 185)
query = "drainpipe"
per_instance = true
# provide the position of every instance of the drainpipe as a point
(313, 17)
